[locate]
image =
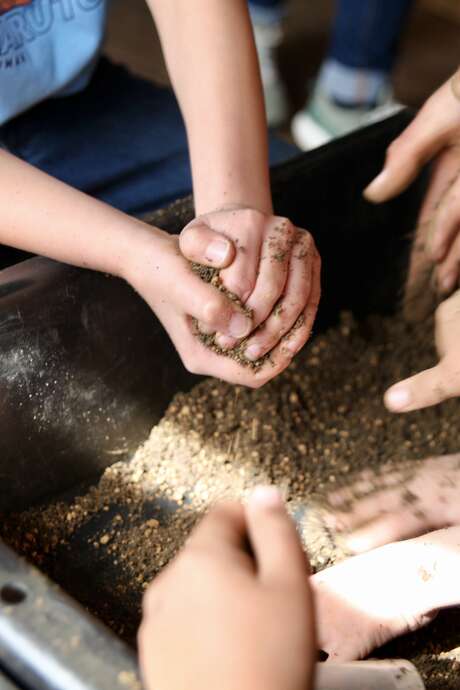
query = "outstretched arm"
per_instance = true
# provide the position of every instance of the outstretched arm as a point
(212, 62)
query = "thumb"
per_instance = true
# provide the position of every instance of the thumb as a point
(274, 539)
(201, 244)
(430, 387)
(429, 132)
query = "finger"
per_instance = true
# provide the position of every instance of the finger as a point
(240, 278)
(291, 304)
(388, 528)
(363, 510)
(209, 306)
(282, 355)
(201, 244)
(418, 297)
(223, 529)
(447, 274)
(274, 539)
(296, 338)
(201, 360)
(425, 136)
(430, 387)
(273, 269)
(272, 277)
(430, 245)
(444, 214)
(369, 481)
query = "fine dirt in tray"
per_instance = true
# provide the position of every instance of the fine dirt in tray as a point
(309, 430)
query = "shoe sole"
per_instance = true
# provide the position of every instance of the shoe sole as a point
(307, 133)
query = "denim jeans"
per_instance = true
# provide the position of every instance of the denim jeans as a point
(365, 34)
(121, 140)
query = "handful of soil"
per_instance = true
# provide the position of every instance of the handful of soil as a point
(211, 275)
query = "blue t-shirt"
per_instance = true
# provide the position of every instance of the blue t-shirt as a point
(47, 48)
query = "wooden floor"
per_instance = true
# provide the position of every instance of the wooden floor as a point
(430, 48)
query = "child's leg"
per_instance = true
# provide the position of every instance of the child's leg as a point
(363, 49)
(267, 10)
(354, 83)
(121, 140)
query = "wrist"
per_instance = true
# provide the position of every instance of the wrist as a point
(140, 247)
(208, 200)
(266, 208)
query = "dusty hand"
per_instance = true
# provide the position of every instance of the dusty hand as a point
(442, 381)
(435, 133)
(163, 277)
(222, 617)
(369, 599)
(275, 273)
(397, 503)
(384, 592)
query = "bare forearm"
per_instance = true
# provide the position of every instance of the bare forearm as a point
(213, 65)
(44, 216)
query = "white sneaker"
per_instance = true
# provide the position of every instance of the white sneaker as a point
(268, 38)
(322, 119)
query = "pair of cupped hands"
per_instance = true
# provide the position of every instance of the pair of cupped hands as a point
(268, 264)
(273, 268)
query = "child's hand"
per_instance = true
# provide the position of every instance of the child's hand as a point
(435, 129)
(365, 601)
(390, 588)
(224, 616)
(163, 277)
(275, 273)
(433, 134)
(397, 503)
(441, 382)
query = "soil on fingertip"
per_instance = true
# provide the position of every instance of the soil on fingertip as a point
(309, 431)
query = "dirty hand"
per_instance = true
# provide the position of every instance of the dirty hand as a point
(222, 616)
(275, 274)
(375, 596)
(442, 381)
(163, 277)
(397, 503)
(434, 133)
(369, 599)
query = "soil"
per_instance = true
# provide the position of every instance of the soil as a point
(310, 430)
(278, 254)
(211, 275)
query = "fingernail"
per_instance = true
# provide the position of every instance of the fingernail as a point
(253, 352)
(217, 251)
(447, 283)
(225, 342)
(291, 347)
(373, 190)
(266, 497)
(397, 398)
(239, 325)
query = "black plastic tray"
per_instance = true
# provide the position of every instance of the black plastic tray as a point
(86, 369)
